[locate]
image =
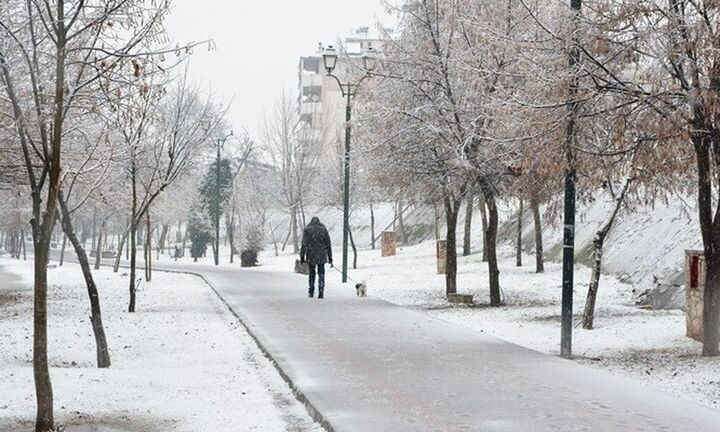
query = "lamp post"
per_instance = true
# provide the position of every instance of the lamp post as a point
(216, 249)
(570, 195)
(349, 91)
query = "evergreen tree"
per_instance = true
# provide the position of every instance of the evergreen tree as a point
(199, 233)
(209, 189)
(215, 193)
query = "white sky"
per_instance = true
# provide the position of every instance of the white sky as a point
(259, 43)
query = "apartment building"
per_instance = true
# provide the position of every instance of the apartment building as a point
(321, 104)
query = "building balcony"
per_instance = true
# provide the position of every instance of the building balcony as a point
(309, 108)
(311, 80)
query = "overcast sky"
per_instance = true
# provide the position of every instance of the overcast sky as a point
(259, 43)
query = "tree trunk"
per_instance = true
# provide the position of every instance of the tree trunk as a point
(402, 235)
(704, 145)
(133, 263)
(589, 313)
(483, 215)
(294, 228)
(287, 237)
(598, 242)
(62, 250)
(467, 240)
(121, 245)
(301, 206)
(101, 346)
(148, 249)
(134, 221)
(93, 243)
(41, 372)
(539, 259)
(98, 250)
(163, 239)
(84, 234)
(711, 312)
(518, 249)
(451, 217)
(274, 239)
(372, 227)
(354, 249)
(231, 235)
(437, 222)
(22, 242)
(491, 246)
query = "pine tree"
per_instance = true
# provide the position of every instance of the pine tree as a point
(199, 233)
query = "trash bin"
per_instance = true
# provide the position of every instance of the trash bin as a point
(694, 293)
(441, 253)
(388, 243)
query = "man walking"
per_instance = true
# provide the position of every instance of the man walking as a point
(316, 251)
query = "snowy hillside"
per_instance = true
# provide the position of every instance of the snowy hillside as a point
(645, 242)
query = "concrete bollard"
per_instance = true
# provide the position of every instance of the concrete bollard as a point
(466, 299)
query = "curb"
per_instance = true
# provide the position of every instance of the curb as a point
(315, 414)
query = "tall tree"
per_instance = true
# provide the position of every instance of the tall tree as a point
(163, 128)
(294, 147)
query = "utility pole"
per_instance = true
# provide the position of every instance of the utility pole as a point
(570, 176)
(349, 90)
(216, 249)
(346, 189)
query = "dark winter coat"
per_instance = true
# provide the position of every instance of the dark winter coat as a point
(316, 248)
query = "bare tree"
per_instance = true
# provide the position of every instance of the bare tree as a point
(294, 149)
(163, 132)
(57, 48)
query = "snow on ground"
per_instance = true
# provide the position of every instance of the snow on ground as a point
(181, 363)
(648, 346)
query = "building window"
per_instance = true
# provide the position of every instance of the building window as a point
(312, 91)
(311, 64)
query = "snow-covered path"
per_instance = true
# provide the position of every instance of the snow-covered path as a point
(367, 365)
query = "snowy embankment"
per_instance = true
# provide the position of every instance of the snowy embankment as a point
(645, 242)
(181, 363)
(648, 346)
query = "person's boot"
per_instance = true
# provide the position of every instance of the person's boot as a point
(321, 292)
(311, 292)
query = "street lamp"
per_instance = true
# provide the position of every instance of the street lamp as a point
(570, 196)
(216, 249)
(349, 91)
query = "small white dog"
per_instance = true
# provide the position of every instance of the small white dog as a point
(361, 289)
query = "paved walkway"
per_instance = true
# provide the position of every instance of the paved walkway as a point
(366, 365)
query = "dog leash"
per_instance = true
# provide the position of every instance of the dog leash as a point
(349, 278)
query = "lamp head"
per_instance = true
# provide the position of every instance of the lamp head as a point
(369, 59)
(330, 57)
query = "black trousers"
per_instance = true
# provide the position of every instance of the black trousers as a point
(319, 270)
